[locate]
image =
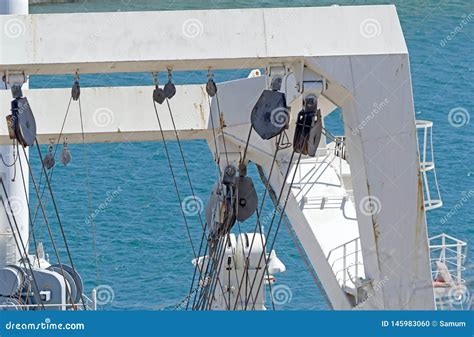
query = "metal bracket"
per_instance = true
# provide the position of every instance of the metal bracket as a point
(274, 73)
(14, 80)
(313, 83)
(298, 68)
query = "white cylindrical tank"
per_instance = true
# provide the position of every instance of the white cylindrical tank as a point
(15, 189)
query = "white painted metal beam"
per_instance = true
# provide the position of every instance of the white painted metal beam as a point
(126, 114)
(191, 40)
(120, 114)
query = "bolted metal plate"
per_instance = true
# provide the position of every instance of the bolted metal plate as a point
(25, 126)
(247, 199)
(270, 114)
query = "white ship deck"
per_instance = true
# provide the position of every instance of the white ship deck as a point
(320, 190)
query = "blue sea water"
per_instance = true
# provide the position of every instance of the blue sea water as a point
(142, 248)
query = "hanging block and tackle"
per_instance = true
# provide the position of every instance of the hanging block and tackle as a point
(309, 123)
(270, 115)
(247, 199)
(21, 122)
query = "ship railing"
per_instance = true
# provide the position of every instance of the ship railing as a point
(431, 194)
(449, 251)
(347, 263)
(89, 304)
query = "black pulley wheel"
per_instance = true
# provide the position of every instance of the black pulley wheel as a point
(25, 124)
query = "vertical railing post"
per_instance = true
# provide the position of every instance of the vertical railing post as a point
(443, 249)
(458, 262)
(356, 258)
(94, 299)
(344, 264)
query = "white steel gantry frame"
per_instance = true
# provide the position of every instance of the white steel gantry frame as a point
(359, 51)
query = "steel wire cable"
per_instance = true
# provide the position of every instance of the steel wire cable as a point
(47, 223)
(174, 179)
(89, 197)
(20, 245)
(262, 202)
(295, 240)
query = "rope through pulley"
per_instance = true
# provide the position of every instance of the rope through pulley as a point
(270, 115)
(21, 123)
(309, 127)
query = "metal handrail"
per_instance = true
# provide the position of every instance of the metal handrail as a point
(355, 251)
(340, 246)
(343, 257)
(452, 254)
(89, 304)
(427, 164)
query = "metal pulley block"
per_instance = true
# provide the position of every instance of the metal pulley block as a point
(48, 160)
(65, 156)
(75, 90)
(270, 114)
(247, 199)
(309, 127)
(169, 89)
(228, 207)
(221, 211)
(159, 95)
(211, 87)
(22, 121)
